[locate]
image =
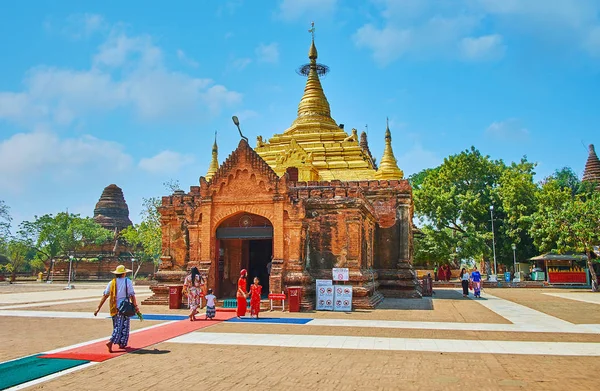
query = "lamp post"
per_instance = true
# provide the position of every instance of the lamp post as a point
(493, 244)
(70, 272)
(517, 277)
(236, 122)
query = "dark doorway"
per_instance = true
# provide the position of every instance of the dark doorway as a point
(292, 173)
(237, 254)
(244, 241)
(259, 254)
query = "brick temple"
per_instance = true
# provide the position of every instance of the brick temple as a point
(308, 200)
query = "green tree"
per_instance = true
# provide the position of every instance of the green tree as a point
(568, 223)
(145, 241)
(550, 199)
(517, 194)
(5, 220)
(18, 255)
(145, 238)
(453, 202)
(62, 235)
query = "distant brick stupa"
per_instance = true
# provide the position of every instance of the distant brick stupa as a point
(111, 211)
(592, 168)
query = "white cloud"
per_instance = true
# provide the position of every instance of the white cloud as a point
(166, 162)
(488, 47)
(434, 36)
(295, 9)
(121, 49)
(268, 53)
(77, 26)
(127, 72)
(507, 130)
(436, 28)
(26, 157)
(566, 14)
(387, 44)
(186, 60)
(240, 63)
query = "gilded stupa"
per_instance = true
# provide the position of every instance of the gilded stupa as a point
(316, 146)
(388, 167)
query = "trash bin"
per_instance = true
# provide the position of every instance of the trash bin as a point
(295, 296)
(507, 277)
(175, 293)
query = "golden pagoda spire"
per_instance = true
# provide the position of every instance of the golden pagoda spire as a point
(214, 163)
(388, 166)
(314, 107)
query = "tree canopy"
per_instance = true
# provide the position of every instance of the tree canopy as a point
(453, 203)
(567, 222)
(63, 234)
(5, 220)
(145, 238)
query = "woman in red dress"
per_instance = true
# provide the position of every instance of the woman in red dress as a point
(241, 294)
(255, 292)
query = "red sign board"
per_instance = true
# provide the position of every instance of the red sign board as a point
(276, 296)
(567, 277)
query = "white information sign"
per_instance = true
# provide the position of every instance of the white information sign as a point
(324, 295)
(340, 274)
(342, 298)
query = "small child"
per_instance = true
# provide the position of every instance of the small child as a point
(255, 291)
(211, 310)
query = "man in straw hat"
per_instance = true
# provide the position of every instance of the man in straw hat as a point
(118, 290)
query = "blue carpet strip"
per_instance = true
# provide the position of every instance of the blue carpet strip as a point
(271, 320)
(163, 317)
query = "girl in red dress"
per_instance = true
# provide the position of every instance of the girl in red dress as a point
(241, 295)
(255, 292)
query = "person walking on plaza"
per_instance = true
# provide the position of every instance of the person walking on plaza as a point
(255, 292)
(464, 280)
(476, 281)
(241, 295)
(117, 291)
(211, 307)
(192, 286)
(435, 272)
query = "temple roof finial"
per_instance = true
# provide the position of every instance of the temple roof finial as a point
(214, 163)
(388, 166)
(312, 52)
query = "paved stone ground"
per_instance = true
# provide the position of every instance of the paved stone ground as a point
(179, 365)
(183, 367)
(263, 328)
(570, 310)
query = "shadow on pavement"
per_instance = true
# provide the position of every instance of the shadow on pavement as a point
(148, 351)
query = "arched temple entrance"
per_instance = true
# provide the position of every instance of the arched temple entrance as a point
(244, 241)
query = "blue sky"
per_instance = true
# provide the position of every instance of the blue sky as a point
(94, 93)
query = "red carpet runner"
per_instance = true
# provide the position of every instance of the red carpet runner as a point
(99, 352)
